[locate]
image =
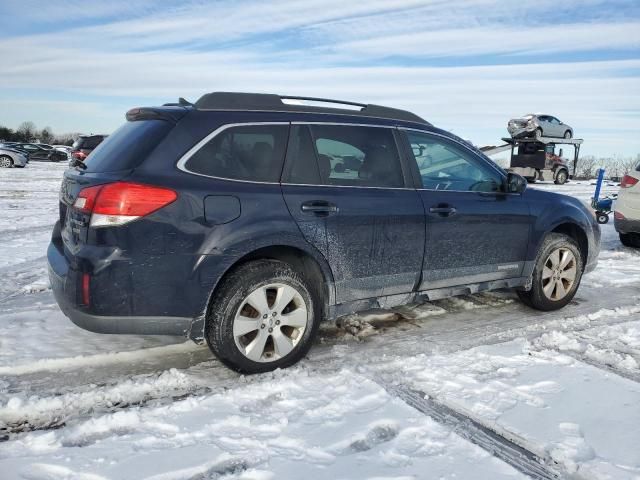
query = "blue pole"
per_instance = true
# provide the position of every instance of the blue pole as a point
(596, 197)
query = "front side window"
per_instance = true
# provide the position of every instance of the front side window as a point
(443, 165)
(246, 152)
(357, 156)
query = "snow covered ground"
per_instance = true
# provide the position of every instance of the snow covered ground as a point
(476, 387)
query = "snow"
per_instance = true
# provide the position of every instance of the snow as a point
(562, 385)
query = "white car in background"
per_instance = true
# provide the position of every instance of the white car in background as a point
(12, 157)
(63, 148)
(627, 209)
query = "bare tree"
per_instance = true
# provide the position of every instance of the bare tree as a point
(26, 132)
(46, 135)
(628, 164)
(586, 166)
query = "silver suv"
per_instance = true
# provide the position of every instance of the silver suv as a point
(538, 125)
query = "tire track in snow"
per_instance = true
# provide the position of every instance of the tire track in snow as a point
(510, 452)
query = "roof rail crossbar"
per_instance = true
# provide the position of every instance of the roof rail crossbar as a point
(272, 102)
(323, 100)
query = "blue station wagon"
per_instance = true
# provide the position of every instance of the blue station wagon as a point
(243, 220)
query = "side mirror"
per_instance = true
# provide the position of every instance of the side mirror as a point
(515, 183)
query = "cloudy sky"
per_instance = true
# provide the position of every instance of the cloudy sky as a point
(467, 66)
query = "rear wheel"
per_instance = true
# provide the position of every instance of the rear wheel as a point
(556, 274)
(561, 177)
(539, 132)
(630, 239)
(6, 161)
(262, 317)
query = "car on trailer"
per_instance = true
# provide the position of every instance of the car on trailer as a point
(538, 125)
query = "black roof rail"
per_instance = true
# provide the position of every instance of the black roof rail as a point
(273, 102)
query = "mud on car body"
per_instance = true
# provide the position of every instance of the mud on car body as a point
(243, 221)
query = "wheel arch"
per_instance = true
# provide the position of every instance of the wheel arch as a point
(310, 265)
(577, 233)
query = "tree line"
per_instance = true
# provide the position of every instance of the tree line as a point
(27, 132)
(616, 166)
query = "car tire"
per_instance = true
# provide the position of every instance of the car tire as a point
(568, 135)
(530, 179)
(6, 161)
(539, 132)
(248, 338)
(561, 177)
(630, 239)
(554, 284)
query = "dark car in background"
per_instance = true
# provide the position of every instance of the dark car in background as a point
(244, 221)
(39, 151)
(84, 145)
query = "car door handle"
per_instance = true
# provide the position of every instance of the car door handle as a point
(319, 208)
(443, 211)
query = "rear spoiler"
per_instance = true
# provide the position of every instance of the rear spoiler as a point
(167, 113)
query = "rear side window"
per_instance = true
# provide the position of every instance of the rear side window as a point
(127, 146)
(246, 152)
(357, 156)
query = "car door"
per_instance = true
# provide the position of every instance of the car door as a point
(35, 153)
(474, 232)
(545, 125)
(345, 187)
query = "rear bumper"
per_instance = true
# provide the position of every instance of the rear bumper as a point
(627, 226)
(20, 161)
(521, 132)
(65, 284)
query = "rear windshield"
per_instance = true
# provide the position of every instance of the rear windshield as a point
(127, 146)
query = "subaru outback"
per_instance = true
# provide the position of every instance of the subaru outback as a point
(243, 220)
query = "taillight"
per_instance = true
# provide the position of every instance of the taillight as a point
(78, 155)
(118, 203)
(628, 181)
(618, 216)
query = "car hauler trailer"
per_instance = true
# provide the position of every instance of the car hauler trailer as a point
(535, 158)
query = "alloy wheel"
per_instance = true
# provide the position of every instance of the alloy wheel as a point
(270, 322)
(5, 162)
(559, 274)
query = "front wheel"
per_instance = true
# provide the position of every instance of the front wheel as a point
(561, 177)
(556, 274)
(262, 317)
(567, 134)
(5, 161)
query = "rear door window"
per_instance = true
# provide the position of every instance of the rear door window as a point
(357, 156)
(246, 152)
(127, 146)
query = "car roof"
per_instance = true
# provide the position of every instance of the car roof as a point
(264, 102)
